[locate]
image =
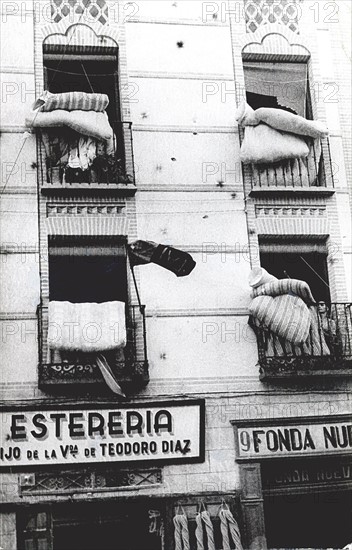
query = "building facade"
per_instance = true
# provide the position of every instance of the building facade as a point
(229, 421)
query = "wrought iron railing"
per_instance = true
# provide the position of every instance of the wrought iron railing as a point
(327, 351)
(129, 364)
(102, 164)
(315, 171)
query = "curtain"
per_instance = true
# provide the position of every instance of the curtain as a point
(280, 85)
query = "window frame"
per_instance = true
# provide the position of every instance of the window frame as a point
(324, 180)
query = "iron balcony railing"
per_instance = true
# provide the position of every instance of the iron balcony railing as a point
(58, 369)
(313, 172)
(326, 352)
(106, 166)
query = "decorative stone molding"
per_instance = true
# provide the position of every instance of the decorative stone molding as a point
(275, 40)
(96, 10)
(293, 211)
(80, 34)
(84, 209)
(259, 13)
(76, 481)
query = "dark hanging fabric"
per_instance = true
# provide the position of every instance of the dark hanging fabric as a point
(179, 262)
(141, 252)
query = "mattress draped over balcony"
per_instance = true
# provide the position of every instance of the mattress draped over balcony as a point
(86, 327)
(283, 148)
(83, 113)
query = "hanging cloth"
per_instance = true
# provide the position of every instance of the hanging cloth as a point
(81, 156)
(108, 375)
(229, 529)
(181, 532)
(285, 82)
(179, 262)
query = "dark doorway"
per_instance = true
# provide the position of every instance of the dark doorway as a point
(310, 267)
(314, 520)
(104, 527)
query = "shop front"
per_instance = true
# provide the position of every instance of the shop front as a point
(127, 523)
(103, 477)
(296, 478)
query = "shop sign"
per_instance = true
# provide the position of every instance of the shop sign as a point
(311, 472)
(257, 442)
(159, 432)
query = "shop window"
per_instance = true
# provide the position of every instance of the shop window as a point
(99, 526)
(35, 531)
(311, 491)
(285, 86)
(70, 156)
(312, 512)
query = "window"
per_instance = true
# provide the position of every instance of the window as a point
(285, 86)
(79, 72)
(72, 157)
(277, 85)
(296, 260)
(87, 272)
(91, 276)
(327, 342)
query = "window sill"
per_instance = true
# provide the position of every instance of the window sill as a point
(295, 368)
(291, 191)
(71, 189)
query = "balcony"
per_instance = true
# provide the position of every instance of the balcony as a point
(60, 371)
(313, 175)
(109, 171)
(326, 353)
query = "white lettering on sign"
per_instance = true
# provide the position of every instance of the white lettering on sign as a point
(257, 442)
(170, 432)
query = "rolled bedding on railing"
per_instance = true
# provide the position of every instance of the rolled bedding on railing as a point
(285, 286)
(279, 119)
(88, 123)
(263, 144)
(72, 101)
(87, 327)
(284, 309)
(286, 316)
(282, 148)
